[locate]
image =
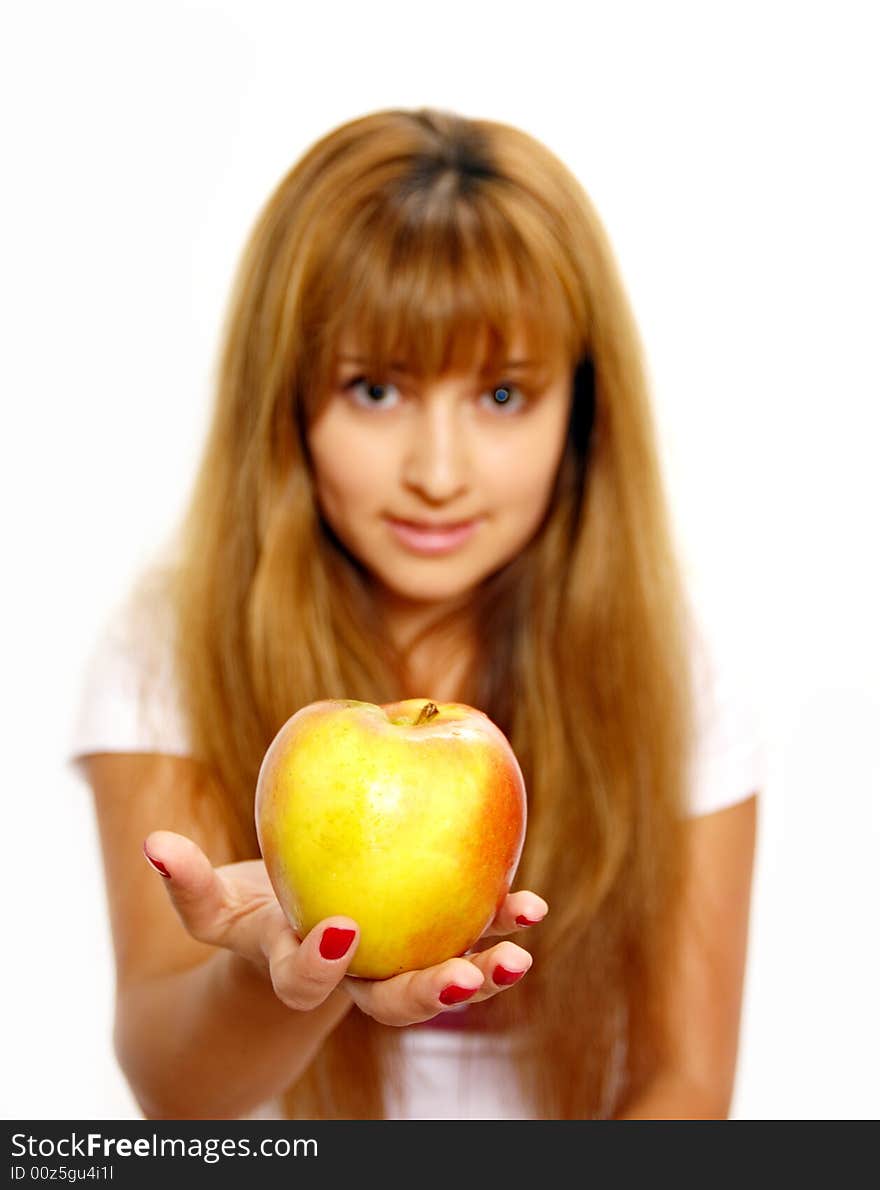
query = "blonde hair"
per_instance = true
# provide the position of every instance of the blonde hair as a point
(423, 229)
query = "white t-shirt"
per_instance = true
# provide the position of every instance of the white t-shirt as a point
(128, 660)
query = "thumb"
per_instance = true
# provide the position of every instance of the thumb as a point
(196, 891)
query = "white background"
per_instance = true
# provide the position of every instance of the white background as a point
(731, 152)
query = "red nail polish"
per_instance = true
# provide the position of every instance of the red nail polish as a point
(335, 942)
(453, 994)
(503, 977)
(522, 920)
(157, 864)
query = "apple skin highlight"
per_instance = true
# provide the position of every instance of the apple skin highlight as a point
(413, 828)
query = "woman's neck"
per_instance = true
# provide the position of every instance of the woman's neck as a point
(435, 661)
(439, 678)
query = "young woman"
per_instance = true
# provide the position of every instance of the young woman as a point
(431, 472)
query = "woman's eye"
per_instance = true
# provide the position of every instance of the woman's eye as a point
(506, 396)
(372, 389)
(370, 394)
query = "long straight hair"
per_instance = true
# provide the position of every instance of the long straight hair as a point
(423, 230)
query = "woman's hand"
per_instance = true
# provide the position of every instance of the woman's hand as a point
(417, 996)
(234, 906)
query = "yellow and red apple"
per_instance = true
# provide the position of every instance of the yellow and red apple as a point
(408, 817)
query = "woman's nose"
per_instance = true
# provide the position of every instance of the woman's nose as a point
(436, 460)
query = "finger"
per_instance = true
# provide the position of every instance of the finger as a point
(502, 966)
(518, 911)
(415, 996)
(304, 973)
(199, 894)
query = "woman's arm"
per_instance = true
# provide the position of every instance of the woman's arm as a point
(199, 1032)
(219, 1004)
(704, 986)
(215, 1041)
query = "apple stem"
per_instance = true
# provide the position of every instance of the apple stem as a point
(428, 711)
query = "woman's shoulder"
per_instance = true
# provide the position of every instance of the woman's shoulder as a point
(128, 698)
(730, 758)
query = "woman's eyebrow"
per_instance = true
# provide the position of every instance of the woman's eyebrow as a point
(359, 359)
(401, 367)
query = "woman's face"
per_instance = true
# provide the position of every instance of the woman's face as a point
(461, 447)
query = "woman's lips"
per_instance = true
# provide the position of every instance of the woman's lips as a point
(433, 539)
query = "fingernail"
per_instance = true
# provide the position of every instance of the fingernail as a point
(335, 942)
(453, 994)
(157, 864)
(522, 920)
(503, 977)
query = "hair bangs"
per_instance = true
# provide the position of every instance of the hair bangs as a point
(427, 293)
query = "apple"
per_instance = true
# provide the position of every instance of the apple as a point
(409, 817)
